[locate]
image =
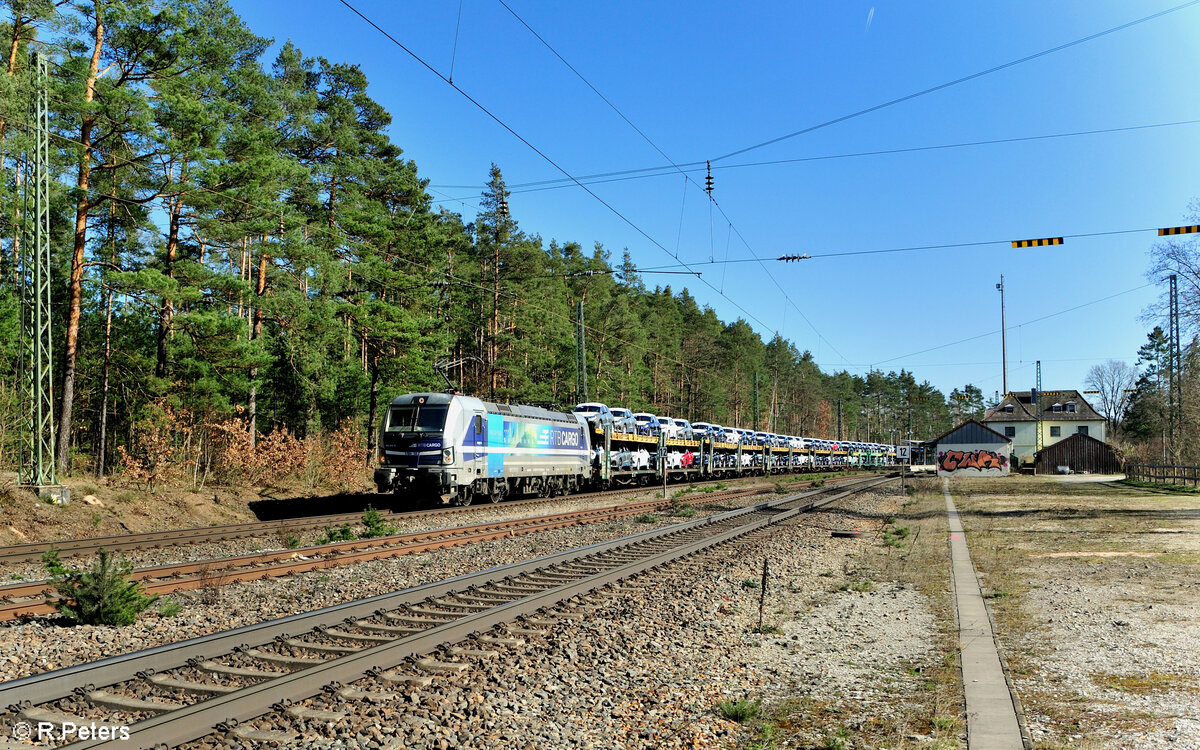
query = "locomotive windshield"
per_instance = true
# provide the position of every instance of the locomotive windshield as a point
(423, 418)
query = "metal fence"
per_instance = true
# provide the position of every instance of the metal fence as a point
(1186, 475)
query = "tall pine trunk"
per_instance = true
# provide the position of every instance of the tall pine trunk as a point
(372, 404)
(104, 388)
(108, 310)
(167, 309)
(75, 284)
(15, 44)
(18, 28)
(260, 289)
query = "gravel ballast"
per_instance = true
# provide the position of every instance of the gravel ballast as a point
(42, 644)
(647, 666)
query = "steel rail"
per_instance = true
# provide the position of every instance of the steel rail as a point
(50, 686)
(187, 576)
(32, 551)
(76, 547)
(200, 719)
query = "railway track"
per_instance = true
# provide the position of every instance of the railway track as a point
(33, 551)
(188, 576)
(173, 694)
(80, 547)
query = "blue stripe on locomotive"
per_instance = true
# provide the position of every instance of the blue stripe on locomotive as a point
(494, 434)
(547, 440)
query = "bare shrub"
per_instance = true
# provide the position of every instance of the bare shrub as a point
(335, 460)
(263, 462)
(163, 436)
(345, 449)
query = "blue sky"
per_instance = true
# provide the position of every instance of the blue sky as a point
(704, 79)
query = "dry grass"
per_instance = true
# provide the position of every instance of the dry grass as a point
(1030, 537)
(920, 559)
(928, 694)
(1147, 682)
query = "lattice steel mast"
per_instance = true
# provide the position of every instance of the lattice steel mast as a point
(581, 389)
(37, 465)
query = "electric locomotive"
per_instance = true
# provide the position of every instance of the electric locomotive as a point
(460, 449)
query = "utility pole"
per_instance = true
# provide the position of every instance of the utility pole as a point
(1174, 401)
(839, 420)
(879, 413)
(756, 400)
(773, 418)
(1003, 339)
(1037, 409)
(37, 468)
(580, 355)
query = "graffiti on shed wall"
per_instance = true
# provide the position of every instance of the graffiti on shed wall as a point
(978, 460)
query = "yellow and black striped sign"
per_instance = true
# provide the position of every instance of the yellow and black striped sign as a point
(1179, 230)
(1038, 243)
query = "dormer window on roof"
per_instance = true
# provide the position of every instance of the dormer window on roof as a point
(1071, 406)
(1056, 407)
(1009, 408)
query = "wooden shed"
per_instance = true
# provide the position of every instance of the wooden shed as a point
(972, 449)
(1080, 453)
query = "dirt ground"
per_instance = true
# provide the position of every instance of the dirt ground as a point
(123, 508)
(1095, 590)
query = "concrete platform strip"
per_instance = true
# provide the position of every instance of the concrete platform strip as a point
(991, 707)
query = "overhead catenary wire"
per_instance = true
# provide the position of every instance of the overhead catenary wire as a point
(600, 178)
(963, 79)
(708, 164)
(495, 118)
(1011, 327)
(707, 189)
(914, 248)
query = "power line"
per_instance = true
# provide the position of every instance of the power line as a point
(677, 167)
(588, 83)
(909, 248)
(972, 364)
(544, 156)
(707, 190)
(600, 178)
(957, 81)
(1011, 327)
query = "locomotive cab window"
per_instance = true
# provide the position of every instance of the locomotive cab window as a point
(423, 418)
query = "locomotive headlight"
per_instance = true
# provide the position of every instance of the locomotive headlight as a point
(448, 456)
(382, 458)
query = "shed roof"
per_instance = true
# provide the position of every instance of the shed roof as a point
(971, 431)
